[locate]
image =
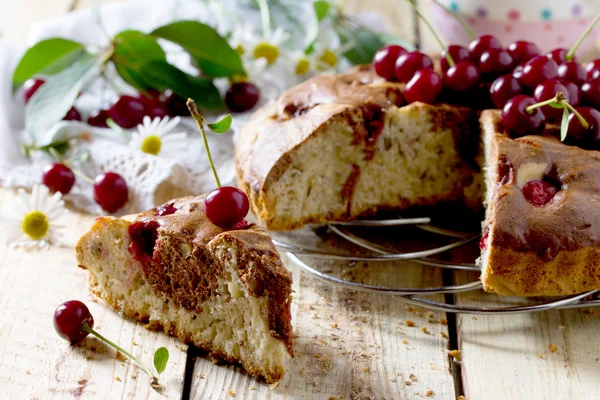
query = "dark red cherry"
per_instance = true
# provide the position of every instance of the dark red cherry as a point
(154, 104)
(590, 92)
(539, 192)
(58, 178)
(226, 206)
(458, 54)
(481, 44)
(127, 112)
(547, 90)
(518, 121)
(522, 51)
(72, 115)
(574, 93)
(409, 63)
(425, 86)
(165, 209)
(69, 319)
(538, 70)
(494, 62)
(578, 135)
(462, 77)
(503, 89)
(593, 70)
(176, 105)
(558, 55)
(241, 97)
(98, 118)
(572, 71)
(384, 61)
(30, 87)
(110, 191)
(517, 72)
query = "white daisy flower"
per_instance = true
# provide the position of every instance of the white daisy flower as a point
(155, 137)
(242, 38)
(34, 223)
(269, 46)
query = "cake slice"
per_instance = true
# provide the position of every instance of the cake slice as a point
(544, 240)
(225, 291)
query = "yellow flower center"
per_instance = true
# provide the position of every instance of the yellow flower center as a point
(240, 50)
(35, 225)
(302, 66)
(239, 78)
(152, 145)
(329, 58)
(267, 51)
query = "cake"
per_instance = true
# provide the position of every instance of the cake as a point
(225, 291)
(338, 147)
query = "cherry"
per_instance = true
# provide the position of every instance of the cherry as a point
(574, 92)
(98, 118)
(69, 320)
(546, 91)
(72, 115)
(58, 178)
(384, 61)
(127, 112)
(539, 192)
(425, 86)
(482, 44)
(495, 62)
(462, 77)
(30, 87)
(226, 206)
(558, 55)
(518, 71)
(537, 70)
(110, 191)
(590, 91)
(155, 107)
(176, 105)
(593, 69)
(578, 135)
(458, 54)
(409, 63)
(503, 89)
(165, 209)
(241, 97)
(518, 120)
(572, 71)
(522, 51)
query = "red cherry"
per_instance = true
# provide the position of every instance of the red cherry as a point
(110, 191)
(127, 112)
(241, 97)
(578, 135)
(425, 86)
(547, 90)
(503, 89)
(72, 115)
(539, 192)
(518, 72)
(593, 70)
(558, 55)
(537, 70)
(176, 105)
(458, 54)
(590, 91)
(98, 118)
(69, 318)
(522, 51)
(165, 209)
(409, 63)
(481, 44)
(58, 178)
(30, 87)
(226, 206)
(384, 61)
(518, 121)
(462, 77)
(494, 62)
(574, 93)
(572, 71)
(154, 104)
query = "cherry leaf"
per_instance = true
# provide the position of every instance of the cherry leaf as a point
(221, 126)
(161, 357)
(564, 125)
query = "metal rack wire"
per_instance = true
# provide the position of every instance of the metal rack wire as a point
(370, 251)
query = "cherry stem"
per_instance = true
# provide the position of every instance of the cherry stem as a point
(582, 120)
(77, 172)
(435, 35)
(143, 366)
(458, 19)
(191, 105)
(587, 31)
(265, 17)
(559, 98)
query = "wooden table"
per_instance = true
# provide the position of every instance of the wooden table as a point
(348, 345)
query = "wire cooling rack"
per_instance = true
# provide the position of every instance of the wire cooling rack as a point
(321, 245)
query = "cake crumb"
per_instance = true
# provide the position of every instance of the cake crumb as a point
(231, 393)
(443, 321)
(133, 342)
(430, 314)
(252, 388)
(429, 393)
(118, 379)
(120, 356)
(366, 369)
(28, 372)
(455, 354)
(134, 377)
(394, 380)
(590, 311)
(541, 356)
(334, 326)
(408, 383)
(409, 323)
(202, 376)
(424, 330)
(273, 386)
(552, 348)
(474, 318)
(413, 378)
(461, 397)
(443, 334)
(404, 341)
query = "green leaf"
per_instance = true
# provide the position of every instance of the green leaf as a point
(132, 50)
(213, 55)
(564, 125)
(165, 76)
(321, 9)
(364, 43)
(47, 57)
(221, 126)
(59, 147)
(161, 357)
(52, 100)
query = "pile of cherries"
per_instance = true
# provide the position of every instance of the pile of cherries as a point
(487, 75)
